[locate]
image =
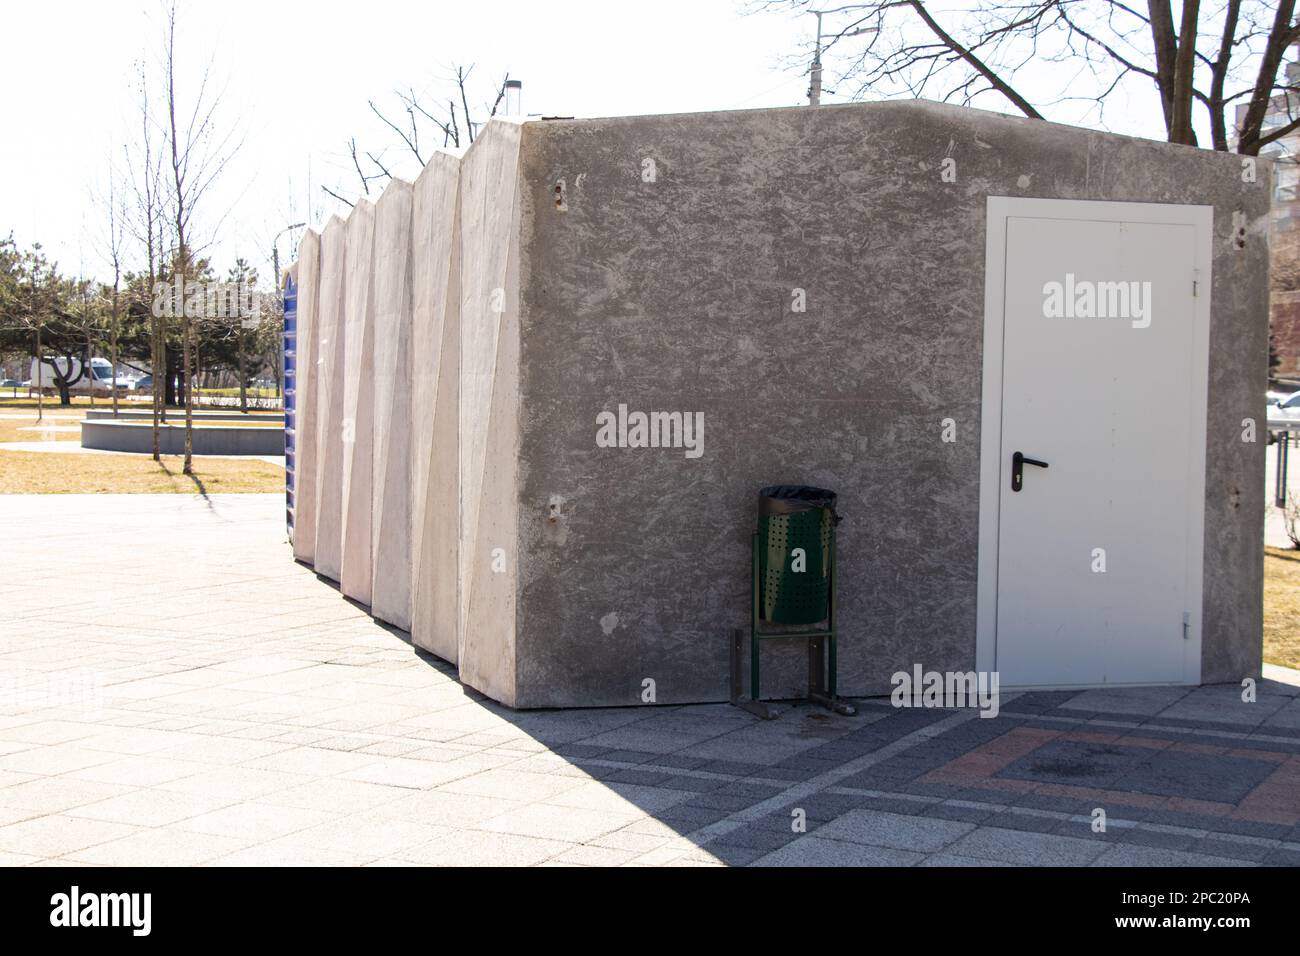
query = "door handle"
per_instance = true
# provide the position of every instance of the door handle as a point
(1018, 462)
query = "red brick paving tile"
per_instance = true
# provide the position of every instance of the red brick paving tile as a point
(1124, 797)
(1042, 734)
(1011, 786)
(1258, 755)
(950, 779)
(975, 765)
(1210, 808)
(1262, 814)
(1014, 744)
(1190, 748)
(1091, 737)
(1151, 743)
(1288, 773)
(1276, 800)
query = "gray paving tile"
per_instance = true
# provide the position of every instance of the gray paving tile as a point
(1034, 849)
(1126, 854)
(1282, 856)
(1143, 701)
(810, 850)
(951, 859)
(922, 834)
(1220, 846)
(1158, 839)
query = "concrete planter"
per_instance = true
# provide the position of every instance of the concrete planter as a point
(206, 440)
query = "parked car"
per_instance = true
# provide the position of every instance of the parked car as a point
(100, 378)
(142, 383)
(11, 383)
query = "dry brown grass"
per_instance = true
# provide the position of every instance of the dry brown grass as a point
(1282, 607)
(29, 429)
(45, 473)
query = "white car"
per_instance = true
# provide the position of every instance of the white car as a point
(100, 379)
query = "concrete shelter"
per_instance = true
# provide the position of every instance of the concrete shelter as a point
(889, 300)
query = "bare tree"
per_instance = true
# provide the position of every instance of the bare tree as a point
(116, 212)
(412, 124)
(1219, 55)
(197, 159)
(144, 161)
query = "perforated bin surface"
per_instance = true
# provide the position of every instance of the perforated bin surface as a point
(788, 596)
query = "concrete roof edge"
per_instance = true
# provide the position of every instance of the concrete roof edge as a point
(929, 108)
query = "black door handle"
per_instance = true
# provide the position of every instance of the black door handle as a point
(1018, 462)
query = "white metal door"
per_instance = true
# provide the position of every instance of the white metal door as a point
(1102, 379)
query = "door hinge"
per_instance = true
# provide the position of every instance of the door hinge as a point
(1187, 625)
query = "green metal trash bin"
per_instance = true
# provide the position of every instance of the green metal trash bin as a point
(792, 583)
(795, 539)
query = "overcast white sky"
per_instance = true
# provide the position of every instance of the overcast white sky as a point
(296, 78)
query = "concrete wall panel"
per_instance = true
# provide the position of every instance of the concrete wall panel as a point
(391, 497)
(489, 405)
(358, 421)
(305, 415)
(435, 465)
(329, 402)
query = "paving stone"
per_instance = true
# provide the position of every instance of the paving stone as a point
(964, 814)
(310, 735)
(923, 834)
(952, 859)
(1035, 849)
(754, 837)
(733, 854)
(811, 850)
(686, 817)
(548, 822)
(1141, 836)
(1126, 854)
(644, 777)
(899, 805)
(1282, 856)
(1031, 823)
(1216, 845)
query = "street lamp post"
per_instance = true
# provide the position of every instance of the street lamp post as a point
(275, 249)
(815, 86)
(815, 75)
(275, 263)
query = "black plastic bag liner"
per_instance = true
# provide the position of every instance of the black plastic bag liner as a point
(791, 499)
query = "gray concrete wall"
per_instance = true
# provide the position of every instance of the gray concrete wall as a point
(435, 465)
(329, 402)
(489, 410)
(674, 295)
(307, 352)
(357, 422)
(391, 490)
